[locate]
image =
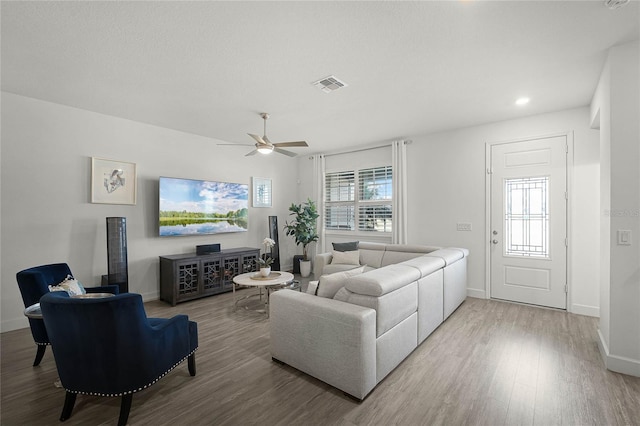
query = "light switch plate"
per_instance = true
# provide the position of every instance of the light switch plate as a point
(624, 237)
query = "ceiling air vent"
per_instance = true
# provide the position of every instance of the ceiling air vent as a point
(329, 84)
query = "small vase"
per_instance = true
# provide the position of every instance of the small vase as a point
(265, 271)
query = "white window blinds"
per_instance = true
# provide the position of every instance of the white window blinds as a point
(370, 209)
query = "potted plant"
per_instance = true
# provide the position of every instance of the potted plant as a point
(265, 260)
(303, 229)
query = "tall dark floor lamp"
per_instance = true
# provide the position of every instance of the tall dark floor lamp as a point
(117, 266)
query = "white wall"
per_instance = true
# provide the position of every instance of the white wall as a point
(446, 185)
(45, 197)
(617, 100)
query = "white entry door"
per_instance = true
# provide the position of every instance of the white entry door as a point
(529, 221)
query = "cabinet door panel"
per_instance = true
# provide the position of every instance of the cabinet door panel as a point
(187, 279)
(232, 267)
(211, 275)
(249, 263)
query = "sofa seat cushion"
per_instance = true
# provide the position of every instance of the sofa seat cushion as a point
(449, 255)
(391, 308)
(383, 280)
(425, 264)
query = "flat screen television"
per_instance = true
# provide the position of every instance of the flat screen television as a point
(197, 207)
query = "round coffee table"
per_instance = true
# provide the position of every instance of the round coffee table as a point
(275, 280)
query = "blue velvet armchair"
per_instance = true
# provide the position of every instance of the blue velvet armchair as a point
(108, 346)
(34, 283)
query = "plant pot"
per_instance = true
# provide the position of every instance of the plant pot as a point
(265, 271)
(305, 268)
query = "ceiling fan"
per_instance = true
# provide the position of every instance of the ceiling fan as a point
(265, 146)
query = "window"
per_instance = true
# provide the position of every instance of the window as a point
(527, 217)
(359, 200)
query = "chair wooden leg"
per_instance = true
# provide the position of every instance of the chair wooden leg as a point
(125, 407)
(39, 354)
(192, 364)
(69, 401)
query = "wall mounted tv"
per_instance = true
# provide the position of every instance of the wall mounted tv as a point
(196, 207)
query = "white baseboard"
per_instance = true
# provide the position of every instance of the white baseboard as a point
(474, 292)
(619, 364)
(591, 311)
(14, 324)
(147, 297)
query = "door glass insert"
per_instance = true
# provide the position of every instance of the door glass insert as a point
(527, 217)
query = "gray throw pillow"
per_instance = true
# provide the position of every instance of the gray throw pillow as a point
(350, 246)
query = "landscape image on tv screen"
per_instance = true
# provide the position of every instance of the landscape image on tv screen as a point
(195, 207)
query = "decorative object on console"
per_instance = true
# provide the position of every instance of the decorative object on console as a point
(207, 248)
(273, 234)
(117, 265)
(194, 207)
(112, 182)
(262, 192)
(303, 229)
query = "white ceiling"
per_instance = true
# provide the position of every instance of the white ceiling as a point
(210, 68)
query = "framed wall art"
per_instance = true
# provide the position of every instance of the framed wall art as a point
(262, 195)
(113, 182)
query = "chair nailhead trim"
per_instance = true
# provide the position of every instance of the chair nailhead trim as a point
(43, 344)
(135, 390)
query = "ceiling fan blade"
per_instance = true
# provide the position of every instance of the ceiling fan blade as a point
(236, 144)
(251, 153)
(296, 143)
(258, 139)
(285, 152)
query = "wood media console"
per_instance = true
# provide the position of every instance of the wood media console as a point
(190, 276)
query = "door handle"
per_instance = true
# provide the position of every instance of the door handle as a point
(495, 241)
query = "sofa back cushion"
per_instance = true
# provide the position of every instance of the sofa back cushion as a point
(425, 264)
(328, 285)
(391, 308)
(396, 253)
(379, 282)
(371, 254)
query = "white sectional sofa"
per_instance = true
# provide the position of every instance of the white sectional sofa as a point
(355, 339)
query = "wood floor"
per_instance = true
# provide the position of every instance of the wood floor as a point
(490, 363)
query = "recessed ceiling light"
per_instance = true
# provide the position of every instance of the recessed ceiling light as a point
(522, 101)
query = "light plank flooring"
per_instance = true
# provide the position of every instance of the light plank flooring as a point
(490, 363)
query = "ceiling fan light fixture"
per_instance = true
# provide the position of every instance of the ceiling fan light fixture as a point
(265, 149)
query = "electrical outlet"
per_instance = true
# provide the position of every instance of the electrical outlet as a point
(463, 226)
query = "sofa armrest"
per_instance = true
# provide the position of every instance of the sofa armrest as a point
(322, 260)
(328, 339)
